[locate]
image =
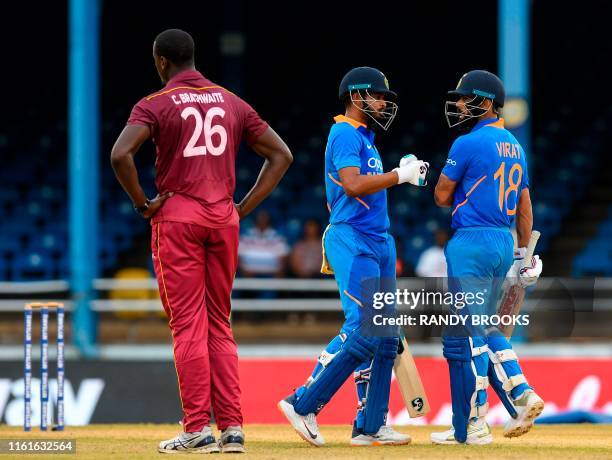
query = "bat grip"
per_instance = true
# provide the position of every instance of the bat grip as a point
(535, 236)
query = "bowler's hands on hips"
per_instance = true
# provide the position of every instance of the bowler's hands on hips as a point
(238, 207)
(155, 204)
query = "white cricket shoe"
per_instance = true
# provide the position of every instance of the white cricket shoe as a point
(478, 433)
(528, 407)
(386, 436)
(232, 440)
(200, 442)
(305, 425)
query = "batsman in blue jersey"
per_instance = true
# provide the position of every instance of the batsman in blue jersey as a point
(357, 249)
(486, 182)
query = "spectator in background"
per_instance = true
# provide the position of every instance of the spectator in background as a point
(263, 251)
(432, 262)
(306, 257)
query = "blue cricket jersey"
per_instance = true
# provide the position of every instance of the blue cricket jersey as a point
(491, 170)
(351, 143)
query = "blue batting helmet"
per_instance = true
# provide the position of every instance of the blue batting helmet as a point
(365, 78)
(481, 83)
(359, 84)
(475, 87)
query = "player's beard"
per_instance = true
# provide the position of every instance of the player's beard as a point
(467, 115)
(466, 126)
(372, 124)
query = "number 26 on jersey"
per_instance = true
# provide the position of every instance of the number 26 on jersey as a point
(205, 126)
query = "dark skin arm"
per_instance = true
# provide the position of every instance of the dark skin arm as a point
(277, 160)
(445, 190)
(524, 219)
(122, 160)
(356, 184)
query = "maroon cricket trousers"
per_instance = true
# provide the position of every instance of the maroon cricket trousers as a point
(195, 268)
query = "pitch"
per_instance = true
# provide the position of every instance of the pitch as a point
(280, 442)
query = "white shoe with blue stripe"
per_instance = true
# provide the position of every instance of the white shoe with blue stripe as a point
(200, 442)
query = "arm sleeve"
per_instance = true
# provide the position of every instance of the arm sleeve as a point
(253, 125)
(143, 115)
(458, 160)
(345, 148)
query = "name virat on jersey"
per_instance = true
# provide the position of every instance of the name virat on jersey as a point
(508, 150)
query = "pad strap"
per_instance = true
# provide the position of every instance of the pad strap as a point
(503, 356)
(362, 375)
(479, 411)
(325, 358)
(482, 383)
(514, 381)
(477, 351)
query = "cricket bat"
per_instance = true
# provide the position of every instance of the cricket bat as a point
(410, 383)
(512, 301)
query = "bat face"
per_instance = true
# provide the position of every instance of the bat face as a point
(410, 383)
(509, 301)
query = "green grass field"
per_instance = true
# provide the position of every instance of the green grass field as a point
(280, 442)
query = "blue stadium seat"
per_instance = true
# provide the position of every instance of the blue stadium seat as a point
(32, 211)
(63, 268)
(3, 270)
(107, 251)
(114, 237)
(401, 209)
(605, 229)
(54, 243)
(18, 229)
(47, 194)
(10, 246)
(8, 195)
(546, 218)
(33, 266)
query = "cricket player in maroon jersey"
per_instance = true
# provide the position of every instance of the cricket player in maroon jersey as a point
(197, 127)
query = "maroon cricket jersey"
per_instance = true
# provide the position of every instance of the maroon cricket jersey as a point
(197, 127)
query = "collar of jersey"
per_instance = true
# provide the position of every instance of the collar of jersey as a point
(493, 122)
(185, 75)
(361, 127)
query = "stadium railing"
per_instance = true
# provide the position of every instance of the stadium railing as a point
(601, 300)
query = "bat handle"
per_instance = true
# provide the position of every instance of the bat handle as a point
(535, 236)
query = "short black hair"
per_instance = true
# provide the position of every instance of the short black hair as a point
(176, 45)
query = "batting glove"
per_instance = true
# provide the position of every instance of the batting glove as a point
(524, 274)
(412, 170)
